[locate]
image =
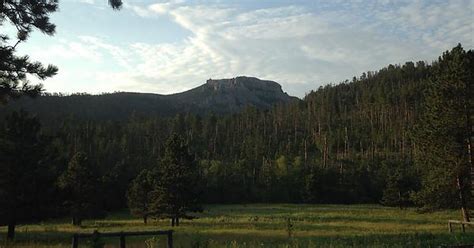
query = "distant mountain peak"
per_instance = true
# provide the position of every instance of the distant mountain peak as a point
(250, 83)
(233, 94)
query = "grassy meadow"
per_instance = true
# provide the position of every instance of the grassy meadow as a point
(265, 225)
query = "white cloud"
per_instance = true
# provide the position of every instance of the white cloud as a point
(139, 10)
(87, 1)
(298, 46)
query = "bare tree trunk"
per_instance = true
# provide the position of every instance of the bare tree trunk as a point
(145, 219)
(464, 211)
(11, 230)
(400, 199)
(471, 168)
(177, 221)
(172, 221)
(76, 221)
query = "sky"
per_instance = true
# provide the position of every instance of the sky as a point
(171, 46)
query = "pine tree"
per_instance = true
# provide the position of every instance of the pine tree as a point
(80, 184)
(25, 175)
(177, 190)
(444, 132)
(139, 194)
(25, 17)
(400, 182)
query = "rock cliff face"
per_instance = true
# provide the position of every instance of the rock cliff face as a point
(231, 95)
(220, 96)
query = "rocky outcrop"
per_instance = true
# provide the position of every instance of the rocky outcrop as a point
(231, 95)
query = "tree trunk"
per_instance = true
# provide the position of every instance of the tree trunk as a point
(76, 221)
(177, 221)
(464, 211)
(11, 231)
(400, 199)
(145, 219)
(172, 221)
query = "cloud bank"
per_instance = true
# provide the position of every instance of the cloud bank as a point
(301, 46)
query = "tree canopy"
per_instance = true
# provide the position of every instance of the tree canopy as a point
(27, 177)
(444, 133)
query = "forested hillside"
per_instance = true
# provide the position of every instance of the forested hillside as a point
(347, 143)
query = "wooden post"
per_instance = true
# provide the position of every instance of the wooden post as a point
(75, 241)
(170, 239)
(122, 240)
(464, 211)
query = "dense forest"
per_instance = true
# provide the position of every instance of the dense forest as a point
(359, 141)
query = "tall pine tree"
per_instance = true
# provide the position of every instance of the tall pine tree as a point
(25, 176)
(80, 186)
(139, 194)
(177, 190)
(443, 134)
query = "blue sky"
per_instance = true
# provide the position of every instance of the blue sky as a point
(170, 46)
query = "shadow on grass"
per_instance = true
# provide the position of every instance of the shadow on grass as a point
(184, 239)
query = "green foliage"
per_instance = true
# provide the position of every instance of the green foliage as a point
(80, 186)
(348, 143)
(177, 189)
(25, 16)
(139, 194)
(401, 181)
(339, 136)
(444, 132)
(282, 167)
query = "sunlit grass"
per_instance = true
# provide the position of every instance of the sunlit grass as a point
(267, 225)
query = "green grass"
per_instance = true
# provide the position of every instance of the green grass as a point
(266, 225)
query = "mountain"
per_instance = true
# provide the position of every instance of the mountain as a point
(215, 96)
(232, 95)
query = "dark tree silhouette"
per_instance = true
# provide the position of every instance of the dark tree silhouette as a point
(116, 4)
(139, 194)
(80, 186)
(176, 192)
(25, 177)
(25, 16)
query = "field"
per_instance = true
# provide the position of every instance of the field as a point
(266, 225)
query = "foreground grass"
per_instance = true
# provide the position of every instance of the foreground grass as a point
(267, 225)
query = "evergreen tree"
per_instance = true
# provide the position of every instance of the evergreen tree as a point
(139, 194)
(80, 185)
(115, 4)
(400, 182)
(25, 17)
(176, 192)
(25, 176)
(444, 132)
